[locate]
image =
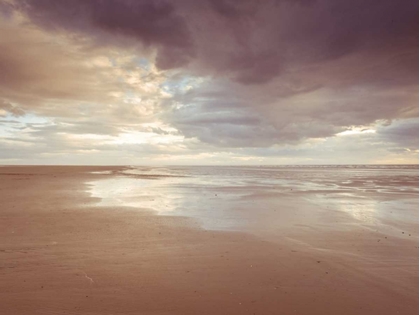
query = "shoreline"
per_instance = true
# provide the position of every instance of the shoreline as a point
(62, 253)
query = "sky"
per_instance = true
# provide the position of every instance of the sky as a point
(187, 82)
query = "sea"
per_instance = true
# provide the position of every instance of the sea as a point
(266, 198)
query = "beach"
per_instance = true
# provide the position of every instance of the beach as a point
(209, 240)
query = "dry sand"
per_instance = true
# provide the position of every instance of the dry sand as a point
(61, 253)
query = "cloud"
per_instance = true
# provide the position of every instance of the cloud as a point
(7, 107)
(58, 77)
(252, 42)
(402, 133)
(230, 114)
(34, 68)
(150, 23)
(244, 77)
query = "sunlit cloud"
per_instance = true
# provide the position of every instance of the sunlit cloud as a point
(355, 131)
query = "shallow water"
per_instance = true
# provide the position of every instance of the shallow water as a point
(237, 198)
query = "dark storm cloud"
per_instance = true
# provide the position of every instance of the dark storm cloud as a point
(252, 41)
(262, 40)
(152, 23)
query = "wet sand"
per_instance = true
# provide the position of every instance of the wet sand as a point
(64, 251)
